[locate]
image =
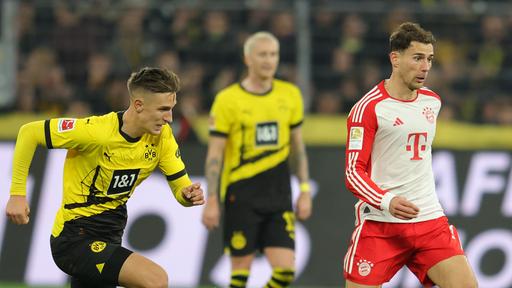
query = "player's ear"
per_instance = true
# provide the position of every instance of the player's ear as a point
(138, 104)
(393, 58)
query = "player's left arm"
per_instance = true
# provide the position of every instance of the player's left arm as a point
(30, 136)
(299, 164)
(186, 193)
(67, 133)
(298, 156)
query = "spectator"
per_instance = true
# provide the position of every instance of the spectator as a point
(204, 41)
(99, 76)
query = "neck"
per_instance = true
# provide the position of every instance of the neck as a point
(257, 85)
(130, 121)
(397, 89)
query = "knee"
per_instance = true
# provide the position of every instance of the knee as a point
(157, 279)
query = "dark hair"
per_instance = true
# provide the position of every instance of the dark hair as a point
(156, 80)
(407, 32)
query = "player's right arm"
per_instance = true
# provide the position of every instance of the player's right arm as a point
(361, 130)
(213, 167)
(29, 136)
(222, 118)
(54, 133)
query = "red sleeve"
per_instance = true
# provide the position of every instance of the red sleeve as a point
(362, 127)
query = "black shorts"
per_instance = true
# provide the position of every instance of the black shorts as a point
(259, 214)
(90, 262)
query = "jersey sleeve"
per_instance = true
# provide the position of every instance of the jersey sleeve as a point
(29, 137)
(70, 133)
(297, 116)
(54, 133)
(222, 115)
(173, 167)
(360, 138)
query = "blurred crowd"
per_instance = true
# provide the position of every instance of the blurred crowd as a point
(74, 56)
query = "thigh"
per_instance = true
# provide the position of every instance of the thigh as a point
(278, 230)
(139, 271)
(377, 251)
(89, 261)
(453, 272)
(441, 242)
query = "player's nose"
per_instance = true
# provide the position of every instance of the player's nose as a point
(168, 117)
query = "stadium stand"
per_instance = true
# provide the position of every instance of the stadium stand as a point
(72, 56)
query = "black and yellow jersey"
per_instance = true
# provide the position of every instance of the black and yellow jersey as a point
(103, 166)
(257, 127)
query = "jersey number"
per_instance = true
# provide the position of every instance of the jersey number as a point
(267, 133)
(289, 218)
(123, 181)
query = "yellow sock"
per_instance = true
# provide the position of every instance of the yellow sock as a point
(281, 278)
(239, 278)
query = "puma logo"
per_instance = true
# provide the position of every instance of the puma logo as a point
(106, 155)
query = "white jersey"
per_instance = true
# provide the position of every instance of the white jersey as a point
(388, 154)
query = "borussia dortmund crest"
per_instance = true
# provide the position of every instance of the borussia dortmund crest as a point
(150, 152)
(238, 240)
(98, 246)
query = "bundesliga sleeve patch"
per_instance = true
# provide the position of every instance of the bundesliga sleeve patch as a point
(355, 141)
(66, 125)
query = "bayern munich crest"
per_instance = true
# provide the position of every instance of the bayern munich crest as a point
(365, 267)
(429, 114)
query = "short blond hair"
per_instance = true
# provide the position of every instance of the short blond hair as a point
(249, 43)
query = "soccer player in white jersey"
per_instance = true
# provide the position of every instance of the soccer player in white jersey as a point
(399, 220)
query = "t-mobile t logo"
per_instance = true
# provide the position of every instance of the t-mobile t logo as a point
(416, 142)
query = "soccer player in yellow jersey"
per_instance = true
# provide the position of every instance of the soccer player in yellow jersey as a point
(255, 126)
(108, 156)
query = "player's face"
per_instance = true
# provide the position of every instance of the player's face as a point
(157, 111)
(414, 63)
(263, 59)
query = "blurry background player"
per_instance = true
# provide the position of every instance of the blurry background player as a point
(254, 126)
(399, 220)
(108, 156)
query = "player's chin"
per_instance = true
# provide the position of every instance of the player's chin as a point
(156, 130)
(419, 82)
(267, 74)
(416, 85)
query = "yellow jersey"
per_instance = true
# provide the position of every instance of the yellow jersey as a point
(257, 126)
(103, 166)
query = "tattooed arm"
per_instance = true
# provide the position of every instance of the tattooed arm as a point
(299, 165)
(211, 212)
(298, 156)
